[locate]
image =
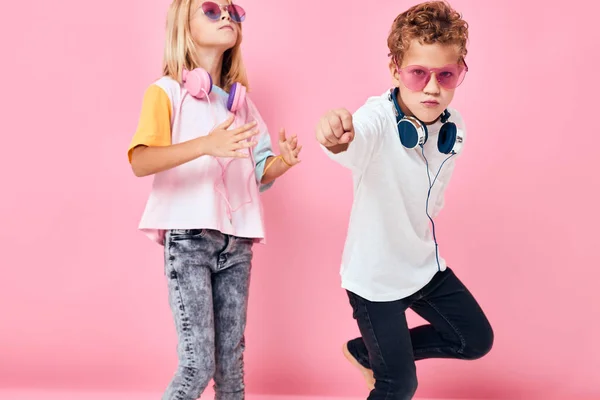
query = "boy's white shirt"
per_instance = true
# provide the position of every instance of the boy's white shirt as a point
(389, 252)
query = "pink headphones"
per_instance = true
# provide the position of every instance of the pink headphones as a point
(198, 83)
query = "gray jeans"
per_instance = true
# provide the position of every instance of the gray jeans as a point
(208, 275)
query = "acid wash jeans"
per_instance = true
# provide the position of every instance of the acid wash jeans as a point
(208, 277)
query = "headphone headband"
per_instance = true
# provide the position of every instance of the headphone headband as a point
(198, 84)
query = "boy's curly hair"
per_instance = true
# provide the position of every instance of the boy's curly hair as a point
(429, 22)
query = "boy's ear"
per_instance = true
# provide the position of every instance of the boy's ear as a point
(394, 73)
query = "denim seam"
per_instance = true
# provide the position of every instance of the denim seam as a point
(463, 342)
(185, 320)
(379, 352)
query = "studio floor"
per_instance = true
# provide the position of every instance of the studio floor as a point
(79, 395)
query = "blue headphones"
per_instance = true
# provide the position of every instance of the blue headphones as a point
(414, 133)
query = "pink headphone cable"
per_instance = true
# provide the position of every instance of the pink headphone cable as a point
(230, 209)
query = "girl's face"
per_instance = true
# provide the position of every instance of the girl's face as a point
(215, 23)
(427, 79)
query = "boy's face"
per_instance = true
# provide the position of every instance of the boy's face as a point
(429, 102)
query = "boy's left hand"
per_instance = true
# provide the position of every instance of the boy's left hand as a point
(289, 149)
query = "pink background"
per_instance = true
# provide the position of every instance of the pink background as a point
(82, 297)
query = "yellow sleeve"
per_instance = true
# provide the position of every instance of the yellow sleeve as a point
(154, 125)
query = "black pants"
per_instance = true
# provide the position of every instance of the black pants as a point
(458, 329)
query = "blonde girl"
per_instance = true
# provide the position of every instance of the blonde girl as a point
(210, 154)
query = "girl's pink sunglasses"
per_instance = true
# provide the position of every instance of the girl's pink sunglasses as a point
(416, 77)
(213, 11)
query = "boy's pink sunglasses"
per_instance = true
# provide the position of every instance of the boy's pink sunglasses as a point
(213, 11)
(416, 77)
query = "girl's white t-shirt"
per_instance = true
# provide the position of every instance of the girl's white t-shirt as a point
(208, 192)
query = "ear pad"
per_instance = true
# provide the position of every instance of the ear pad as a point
(412, 132)
(447, 138)
(198, 82)
(237, 97)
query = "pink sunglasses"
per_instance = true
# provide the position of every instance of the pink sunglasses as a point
(416, 77)
(213, 11)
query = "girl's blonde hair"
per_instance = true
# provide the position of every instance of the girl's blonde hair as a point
(180, 51)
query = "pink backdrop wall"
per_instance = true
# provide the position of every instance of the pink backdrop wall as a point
(82, 297)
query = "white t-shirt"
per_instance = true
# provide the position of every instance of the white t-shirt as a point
(390, 252)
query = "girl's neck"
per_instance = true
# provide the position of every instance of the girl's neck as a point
(212, 61)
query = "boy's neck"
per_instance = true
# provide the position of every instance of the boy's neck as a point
(403, 107)
(212, 61)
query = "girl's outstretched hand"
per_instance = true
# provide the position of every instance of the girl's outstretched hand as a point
(289, 149)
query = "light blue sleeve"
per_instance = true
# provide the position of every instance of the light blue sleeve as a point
(263, 149)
